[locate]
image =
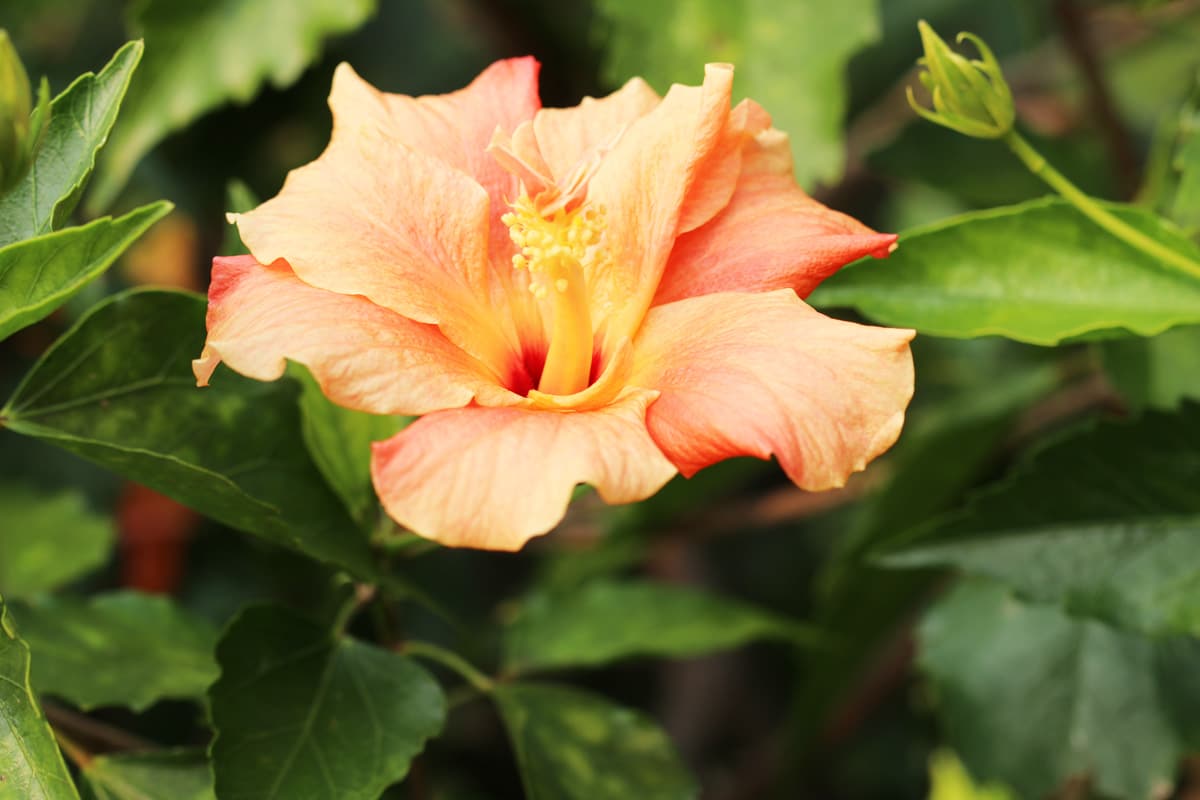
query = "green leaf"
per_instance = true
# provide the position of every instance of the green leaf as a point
(39, 275)
(339, 441)
(164, 775)
(1158, 372)
(118, 649)
(1031, 697)
(80, 120)
(31, 766)
(606, 620)
(790, 57)
(1038, 272)
(1106, 521)
(252, 41)
(306, 715)
(118, 389)
(573, 745)
(48, 540)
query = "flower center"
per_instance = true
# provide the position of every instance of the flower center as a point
(559, 249)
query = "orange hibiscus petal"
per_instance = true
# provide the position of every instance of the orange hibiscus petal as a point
(770, 235)
(364, 356)
(495, 477)
(717, 175)
(642, 185)
(764, 374)
(376, 215)
(458, 126)
(566, 135)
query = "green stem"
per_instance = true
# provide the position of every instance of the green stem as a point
(452, 660)
(1088, 206)
(361, 595)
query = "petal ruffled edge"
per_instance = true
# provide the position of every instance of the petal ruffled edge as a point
(771, 235)
(765, 374)
(363, 356)
(399, 208)
(493, 478)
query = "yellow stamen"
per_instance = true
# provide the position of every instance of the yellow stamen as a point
(558, 249)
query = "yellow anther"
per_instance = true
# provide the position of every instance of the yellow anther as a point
(560, 249)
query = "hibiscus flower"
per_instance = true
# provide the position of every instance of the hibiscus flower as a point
(606, 294)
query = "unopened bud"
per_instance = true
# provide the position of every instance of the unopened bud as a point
(969, 95)
(21, 124)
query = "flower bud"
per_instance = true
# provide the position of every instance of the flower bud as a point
(969, 96)
(21, 125)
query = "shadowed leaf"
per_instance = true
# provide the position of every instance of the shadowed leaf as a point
(605, 621)
(304, 715)
(119, 649)
(572, 745)
(47, 540)
(1031, 697)
(1106, 521)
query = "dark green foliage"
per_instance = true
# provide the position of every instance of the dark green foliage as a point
(303, 713)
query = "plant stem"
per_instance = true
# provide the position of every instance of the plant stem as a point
(363, 593)
(1088, 206)
(452, 660)
(1073, 22)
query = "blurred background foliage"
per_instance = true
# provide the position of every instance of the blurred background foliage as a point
(829, 694)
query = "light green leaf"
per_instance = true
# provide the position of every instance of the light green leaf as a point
(119, 649)
(30, 762)
(1038, 272)
(1158, 372)
(790, 57)
(1107, 522)
(1030, 697)
(47, 540)
(573, 745)
(305, 715)
(80, 120)
(39, 275)
(606, 620)
(339, 441)
(202, 55)
(118, 389)
(164, 775)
